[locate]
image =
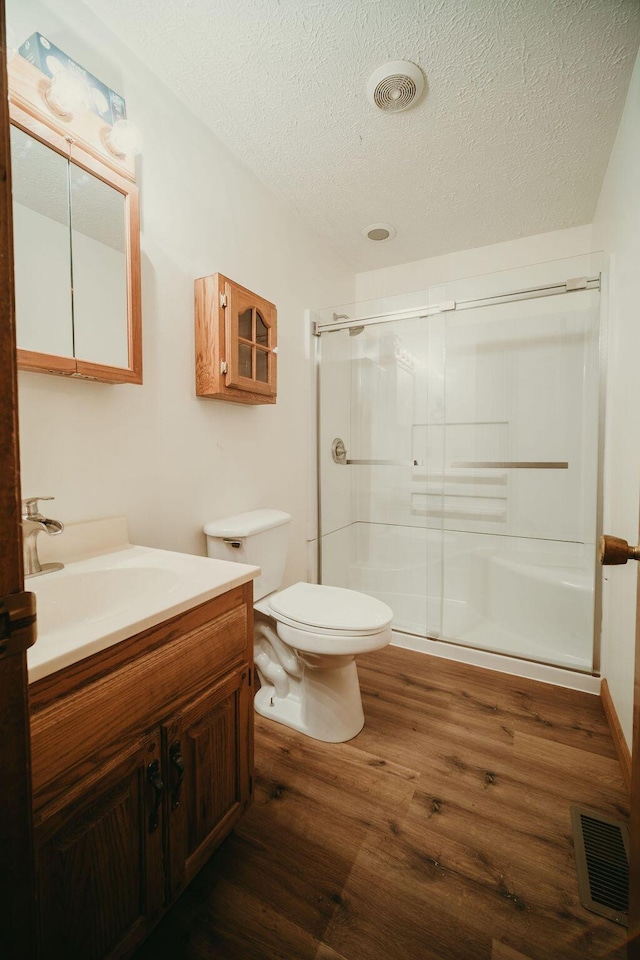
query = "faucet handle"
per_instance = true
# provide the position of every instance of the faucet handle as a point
(30, 507)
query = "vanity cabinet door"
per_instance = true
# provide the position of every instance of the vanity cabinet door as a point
(208, 751)
(99, 859)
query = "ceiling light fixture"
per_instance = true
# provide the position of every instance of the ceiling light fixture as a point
(395, 86)
(379, 232)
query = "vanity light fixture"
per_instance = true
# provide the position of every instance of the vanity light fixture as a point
(124, 139)
(67, 94)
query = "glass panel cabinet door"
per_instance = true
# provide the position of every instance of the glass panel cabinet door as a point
(250, 328)
(236, 342)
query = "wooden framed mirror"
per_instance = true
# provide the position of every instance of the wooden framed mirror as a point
(77, 249)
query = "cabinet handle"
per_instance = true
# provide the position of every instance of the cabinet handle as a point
(155, 780)
(177, 761)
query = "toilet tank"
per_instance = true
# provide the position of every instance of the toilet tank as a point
(259, 537)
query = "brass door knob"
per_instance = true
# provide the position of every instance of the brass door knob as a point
(615, 550)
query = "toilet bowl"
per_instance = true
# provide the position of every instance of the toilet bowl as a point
(306, 637)
(319, 630)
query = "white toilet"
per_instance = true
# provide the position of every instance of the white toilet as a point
(305, 637)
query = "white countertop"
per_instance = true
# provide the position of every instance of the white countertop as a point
(96, 602)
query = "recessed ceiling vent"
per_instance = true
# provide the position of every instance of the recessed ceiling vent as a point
(379, 232)
(395, 86)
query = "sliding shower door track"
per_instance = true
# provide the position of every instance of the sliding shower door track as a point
(428, 310)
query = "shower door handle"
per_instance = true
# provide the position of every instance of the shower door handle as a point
(614, 550)
(384, 463)
(339, 454)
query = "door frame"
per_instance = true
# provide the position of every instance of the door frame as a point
(634, 816)
(17, 879)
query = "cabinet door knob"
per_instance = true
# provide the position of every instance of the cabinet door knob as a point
(177, 761)
(614, 550)
(155, 780)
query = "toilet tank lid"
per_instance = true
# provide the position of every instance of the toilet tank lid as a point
(246, 524)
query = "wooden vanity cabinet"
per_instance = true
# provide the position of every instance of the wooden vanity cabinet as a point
(142, 763)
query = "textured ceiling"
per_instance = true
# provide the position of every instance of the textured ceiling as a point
(512, 137)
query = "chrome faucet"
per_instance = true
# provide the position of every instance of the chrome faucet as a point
(32, 524)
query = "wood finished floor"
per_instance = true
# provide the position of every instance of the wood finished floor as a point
(441, 832)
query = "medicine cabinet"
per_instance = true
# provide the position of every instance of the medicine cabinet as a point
(76, 252)
(236, 342)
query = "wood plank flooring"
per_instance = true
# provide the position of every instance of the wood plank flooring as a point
(441, 832)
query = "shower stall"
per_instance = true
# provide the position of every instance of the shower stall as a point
(458, 460)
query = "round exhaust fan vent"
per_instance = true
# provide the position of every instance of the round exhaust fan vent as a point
(395, 86)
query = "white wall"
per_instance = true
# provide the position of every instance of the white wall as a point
(617, 231)
(420, 274)
(156, 453)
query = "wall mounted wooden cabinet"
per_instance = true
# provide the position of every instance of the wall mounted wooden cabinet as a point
(142, 762)
(236, 342)
(76, 241)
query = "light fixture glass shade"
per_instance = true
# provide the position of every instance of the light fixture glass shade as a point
(125, 139)
(68, 93)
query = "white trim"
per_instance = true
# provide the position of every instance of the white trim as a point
(494, 661)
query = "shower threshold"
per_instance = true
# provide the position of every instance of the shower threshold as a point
(517, 666)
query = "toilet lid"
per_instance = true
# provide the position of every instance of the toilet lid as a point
(330, 608)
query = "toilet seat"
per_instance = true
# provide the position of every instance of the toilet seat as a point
(334, 644)
(314, 618)
(330, 611)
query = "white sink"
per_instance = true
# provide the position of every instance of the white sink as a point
(88, 597)
(94, 603)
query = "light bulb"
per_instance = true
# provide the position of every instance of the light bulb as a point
(125, 139)
(68, 93)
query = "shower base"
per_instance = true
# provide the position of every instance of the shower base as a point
(516, 666)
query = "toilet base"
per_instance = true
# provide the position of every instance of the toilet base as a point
(325, 705)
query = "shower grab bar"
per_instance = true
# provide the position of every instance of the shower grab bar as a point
(339, 454)
(512, 464)
(383, 463)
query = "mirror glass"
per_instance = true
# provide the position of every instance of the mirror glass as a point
(99, 260)
(42, 250)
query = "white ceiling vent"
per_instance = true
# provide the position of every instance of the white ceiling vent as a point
(395, 86)
(379, 232)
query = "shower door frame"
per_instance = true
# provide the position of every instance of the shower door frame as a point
(572, 285)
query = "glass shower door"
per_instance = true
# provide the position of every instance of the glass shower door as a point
(458, 466)
(520, 449)
(382, 395)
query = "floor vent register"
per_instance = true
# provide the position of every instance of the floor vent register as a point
(602, 860)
